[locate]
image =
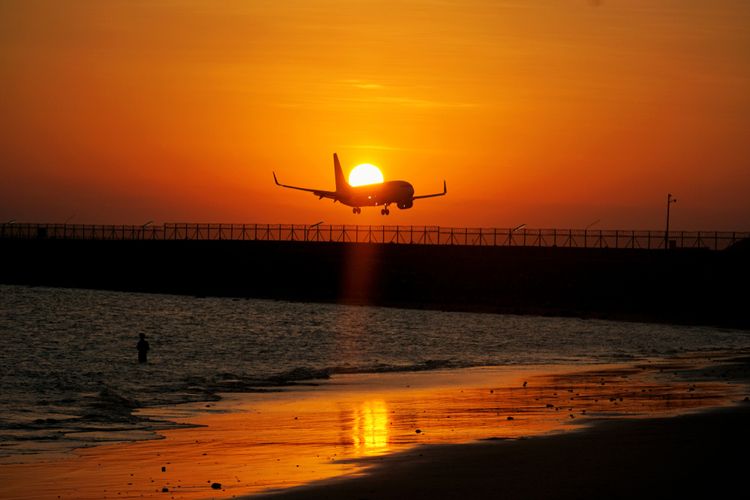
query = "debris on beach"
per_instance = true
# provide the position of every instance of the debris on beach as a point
(216, 486)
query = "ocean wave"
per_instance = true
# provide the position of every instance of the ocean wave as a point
(238, 382)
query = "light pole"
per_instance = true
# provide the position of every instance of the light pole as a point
(670, 200)
(585, 233)
(307, 229)
(8, 223)
(143, 229)
(510, 235)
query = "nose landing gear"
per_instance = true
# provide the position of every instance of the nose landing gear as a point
(385, 211)
(356, 210)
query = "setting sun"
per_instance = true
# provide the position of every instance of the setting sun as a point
(364, 174)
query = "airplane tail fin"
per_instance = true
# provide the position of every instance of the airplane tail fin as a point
(341, 184)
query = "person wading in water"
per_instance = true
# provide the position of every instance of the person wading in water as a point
(143, 348)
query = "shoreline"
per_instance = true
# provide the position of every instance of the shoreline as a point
(255, 443)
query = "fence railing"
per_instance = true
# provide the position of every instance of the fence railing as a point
(410, 235)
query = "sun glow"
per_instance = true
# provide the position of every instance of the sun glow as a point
(365, 174)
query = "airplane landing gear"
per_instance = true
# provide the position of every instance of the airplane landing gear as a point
(356, 210)
(385, 211)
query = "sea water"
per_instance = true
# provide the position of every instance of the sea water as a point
(69, 371)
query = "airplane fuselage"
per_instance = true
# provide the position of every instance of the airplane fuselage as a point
(372, 195)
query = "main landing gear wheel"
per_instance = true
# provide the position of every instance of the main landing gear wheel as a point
(356, 210)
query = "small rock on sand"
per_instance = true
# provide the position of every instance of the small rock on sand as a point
(418, 431)
(216, 486)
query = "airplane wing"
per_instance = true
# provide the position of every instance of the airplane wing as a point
(317, 192)
(445, 191)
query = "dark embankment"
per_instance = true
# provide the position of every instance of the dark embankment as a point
(683, 286)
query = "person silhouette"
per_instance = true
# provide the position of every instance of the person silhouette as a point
(143, 348)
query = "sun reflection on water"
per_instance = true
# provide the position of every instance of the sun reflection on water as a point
(370, 428)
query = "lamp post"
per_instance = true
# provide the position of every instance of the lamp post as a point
(8, 223)
(585, 233)
(510, 235)
(307, 229)
(65, 226)
(143, 228)
(670, 200)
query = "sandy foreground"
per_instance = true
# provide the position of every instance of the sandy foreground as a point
(532, 432)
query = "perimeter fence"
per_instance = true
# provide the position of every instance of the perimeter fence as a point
(408, 235)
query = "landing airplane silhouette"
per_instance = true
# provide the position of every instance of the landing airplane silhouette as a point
(372, 195)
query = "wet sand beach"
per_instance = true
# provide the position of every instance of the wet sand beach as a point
(691, 456)
(400, 435)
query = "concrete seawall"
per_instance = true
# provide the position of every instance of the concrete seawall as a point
(682, 286)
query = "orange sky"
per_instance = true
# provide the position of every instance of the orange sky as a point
(551, 113)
